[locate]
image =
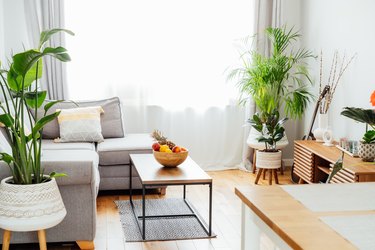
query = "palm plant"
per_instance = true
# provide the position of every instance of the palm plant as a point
(22, 97)
(278, 80)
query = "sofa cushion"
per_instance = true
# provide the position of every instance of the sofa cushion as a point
(80, 124)
(115, 151)
(111, 119)
(51, 145)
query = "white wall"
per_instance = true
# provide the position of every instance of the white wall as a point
(346, 26)
(291, 18)
(2, 49)
(14, 32)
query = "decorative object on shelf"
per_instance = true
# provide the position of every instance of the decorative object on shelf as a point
(322, 127)
(272, 131)
(349, 147)
(334, 78)
(21, 93)
(327, 137)
(332, 82)
(166, 152)
(367, 116)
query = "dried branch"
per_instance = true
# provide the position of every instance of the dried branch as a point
(333, 79)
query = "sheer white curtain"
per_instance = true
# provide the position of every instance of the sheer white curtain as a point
(166, 60)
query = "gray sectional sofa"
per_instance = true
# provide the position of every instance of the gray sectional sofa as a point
(90, 167)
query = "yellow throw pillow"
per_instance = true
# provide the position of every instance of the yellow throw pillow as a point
(80, 125)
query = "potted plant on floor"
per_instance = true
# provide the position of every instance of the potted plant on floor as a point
(270, 126)
(367, 145)
(29, 198)
(279, 81)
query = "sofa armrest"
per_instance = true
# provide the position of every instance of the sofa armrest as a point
(81, 166)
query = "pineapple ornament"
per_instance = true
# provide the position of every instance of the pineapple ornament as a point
(161, 139)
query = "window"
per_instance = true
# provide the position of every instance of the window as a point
(170, 53)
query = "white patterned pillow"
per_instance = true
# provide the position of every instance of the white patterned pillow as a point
(80, 124)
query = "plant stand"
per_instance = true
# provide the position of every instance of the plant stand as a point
(41, 236)
(26, 208)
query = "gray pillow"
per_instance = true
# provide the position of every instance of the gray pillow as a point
(111, 119)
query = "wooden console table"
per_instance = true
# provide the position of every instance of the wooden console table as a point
(312, 162)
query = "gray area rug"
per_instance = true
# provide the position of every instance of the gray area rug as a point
(170, 228)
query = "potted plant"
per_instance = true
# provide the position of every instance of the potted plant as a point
(270, 126)
(279, 81)
(30, 199)
(367, 144)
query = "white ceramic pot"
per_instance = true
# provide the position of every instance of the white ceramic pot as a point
(366, 151)
(269, 160)
(322, 127)
(30, 207)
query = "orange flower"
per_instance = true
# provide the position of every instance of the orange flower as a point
(372, 98)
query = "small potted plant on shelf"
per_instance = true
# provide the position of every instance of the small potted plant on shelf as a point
(30, 199)
(270, 126)
(367, 144)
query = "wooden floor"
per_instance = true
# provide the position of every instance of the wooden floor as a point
(226, 215)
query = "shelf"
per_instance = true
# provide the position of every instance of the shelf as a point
(324, 169)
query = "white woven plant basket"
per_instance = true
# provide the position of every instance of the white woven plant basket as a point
(269, 160)
(30, 207)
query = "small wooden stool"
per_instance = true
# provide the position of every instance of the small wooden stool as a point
(264, 170)
(41, 236)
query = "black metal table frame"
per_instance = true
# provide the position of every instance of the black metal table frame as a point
(193, 212)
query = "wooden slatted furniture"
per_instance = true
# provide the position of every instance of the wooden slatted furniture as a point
(312, 162)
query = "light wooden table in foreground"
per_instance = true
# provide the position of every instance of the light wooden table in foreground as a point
(271, 211)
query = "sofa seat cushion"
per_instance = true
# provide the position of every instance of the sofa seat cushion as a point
(51, 145)
(115, 151)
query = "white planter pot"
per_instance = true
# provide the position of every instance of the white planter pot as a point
(268, 160)
(30, 207)
(366, 151)
(252, 140)
(322, 127)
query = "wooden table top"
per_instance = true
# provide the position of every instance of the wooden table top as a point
(294, 223)
(331, 154)
(151, 172)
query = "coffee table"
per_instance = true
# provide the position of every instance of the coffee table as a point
(152, 174)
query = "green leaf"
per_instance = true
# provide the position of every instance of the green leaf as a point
(30, 137)
(59, 53)
(23, 62)
(56, 175)
(37, 98)
(43, 121)
(46, 35)
(50, 105)
(6, 157)
(12, 80)
(369, 136)
(7, 120)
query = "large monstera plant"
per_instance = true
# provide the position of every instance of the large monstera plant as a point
(22, 96)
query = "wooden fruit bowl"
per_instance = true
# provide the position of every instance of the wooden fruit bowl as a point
(170, 160)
